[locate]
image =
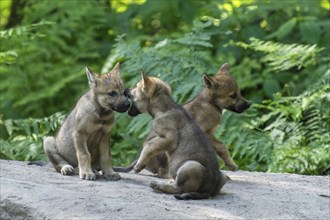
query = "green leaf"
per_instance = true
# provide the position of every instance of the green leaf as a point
(271, 86)
(8, 56)
(284, 30)
(310, 31)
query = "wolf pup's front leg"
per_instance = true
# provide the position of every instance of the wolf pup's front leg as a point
(160, 140)
(105, 159)
(84, 157)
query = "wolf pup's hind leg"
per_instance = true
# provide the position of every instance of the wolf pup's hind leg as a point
(59, 163)
(189, 179)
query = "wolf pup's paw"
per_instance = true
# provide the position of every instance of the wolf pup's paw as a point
(232, 167)
(87, 176)
(67, 170)
(97, 174)
(138, 168)
(154, 185)
(112, 177)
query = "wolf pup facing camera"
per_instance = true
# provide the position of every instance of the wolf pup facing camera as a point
(83, 139)
(191, 159)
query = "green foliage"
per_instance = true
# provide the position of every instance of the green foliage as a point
(303, 160)
(24, 30)
(291, 135)
(8, 55)
(50, 58)
(279, 56)
(251, 148)
(282, 57)
(4, 11)
(25, 136)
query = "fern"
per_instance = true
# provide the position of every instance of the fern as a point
(25, 136)
(25, 30)
(51, 56)
(269, 134)
(8, 55)
(289, 134)
(281, 57)
(251, 148)
(198, 37)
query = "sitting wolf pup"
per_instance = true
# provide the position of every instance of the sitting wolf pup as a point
(220, 92)
(83, 139)
(191, 161)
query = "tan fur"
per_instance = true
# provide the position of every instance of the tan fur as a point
(220, 92)
(192, 163)
(82, 142)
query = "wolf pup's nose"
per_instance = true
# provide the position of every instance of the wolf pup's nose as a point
(123, 107)
(128, 93)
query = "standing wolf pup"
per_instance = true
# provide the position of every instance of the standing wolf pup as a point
(191, 161)
(220, 92)
(83, 139)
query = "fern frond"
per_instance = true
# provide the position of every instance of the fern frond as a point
(26, 135)
(23, 29)
(281, 57)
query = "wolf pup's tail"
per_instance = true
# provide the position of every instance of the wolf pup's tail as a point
(192, 195)
(125, 169)
(38, 163)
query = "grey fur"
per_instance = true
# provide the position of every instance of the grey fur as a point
(83, 142)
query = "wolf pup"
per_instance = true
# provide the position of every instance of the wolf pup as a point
(220, 92)
(191, 161)
(83, 139)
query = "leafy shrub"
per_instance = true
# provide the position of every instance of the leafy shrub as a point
(25, 136)
(51, 56)
(286, 133)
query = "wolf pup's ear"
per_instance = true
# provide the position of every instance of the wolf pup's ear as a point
(90, 77)
(224, 69)
(145, 80)
(209, 82)
(116, 69)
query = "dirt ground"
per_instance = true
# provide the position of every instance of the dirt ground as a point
(33, 192)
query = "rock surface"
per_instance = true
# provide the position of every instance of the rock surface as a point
(33, 192)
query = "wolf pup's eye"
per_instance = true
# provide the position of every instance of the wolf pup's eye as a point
(113, 94)
(233, 96)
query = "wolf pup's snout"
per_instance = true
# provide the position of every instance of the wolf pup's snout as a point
(242, 106)
(123, 107)
(133, 111)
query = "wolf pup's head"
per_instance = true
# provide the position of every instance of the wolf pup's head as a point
(143, 93)
(109, 90)
(224, 91)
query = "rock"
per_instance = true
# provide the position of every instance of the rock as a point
(34, 192)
